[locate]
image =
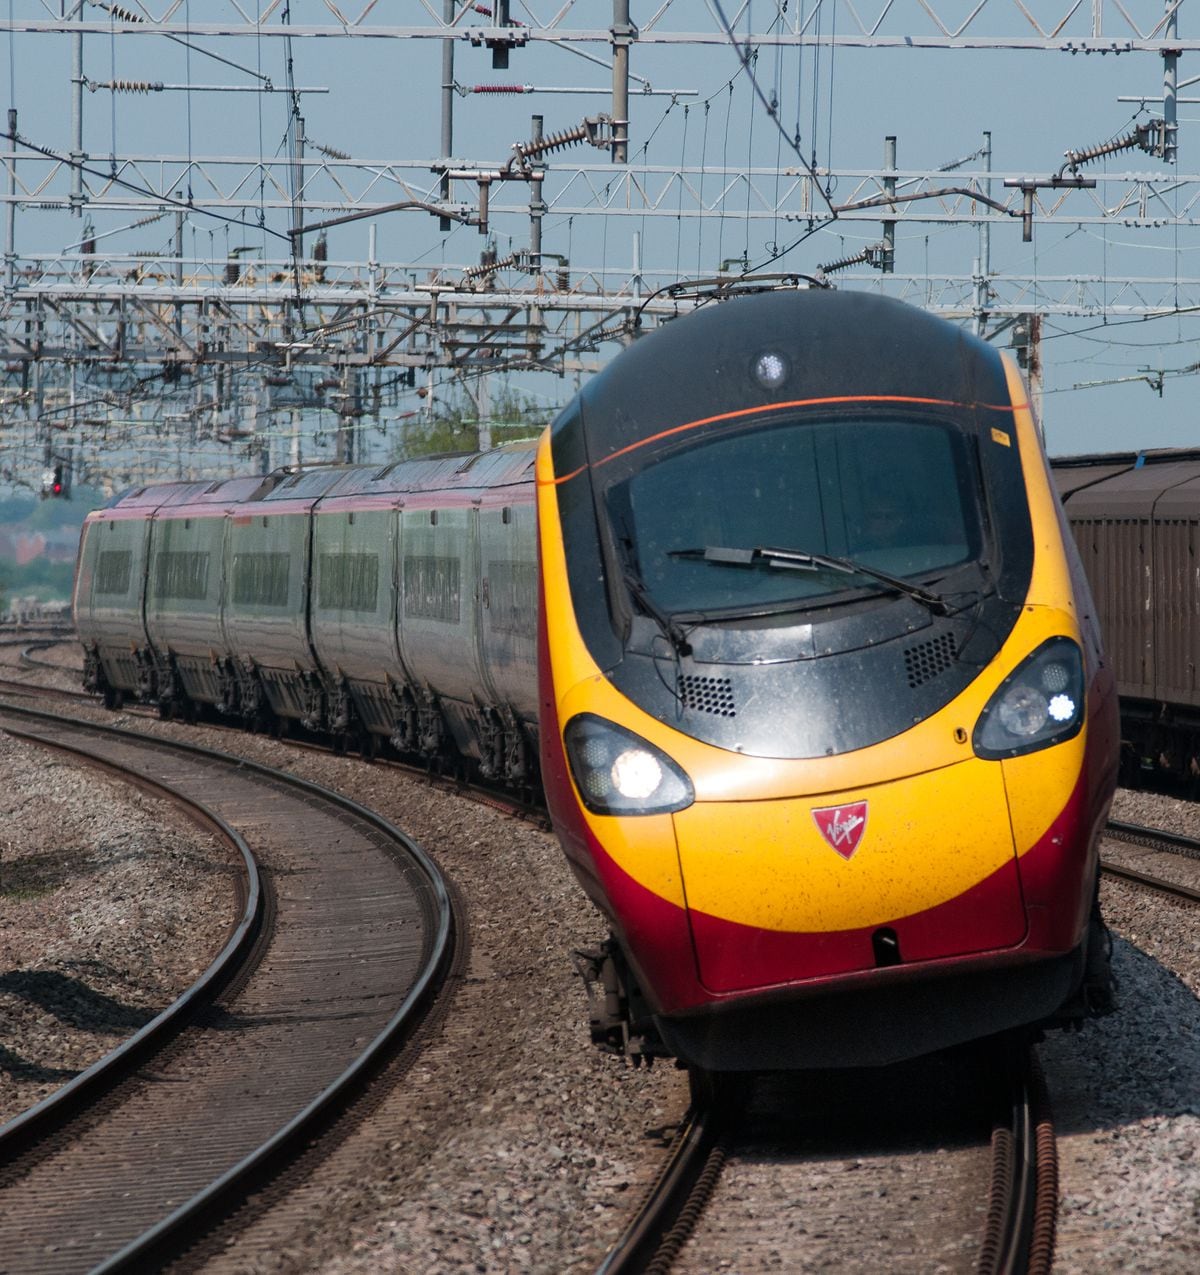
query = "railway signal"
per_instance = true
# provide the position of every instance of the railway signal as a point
(54, 483)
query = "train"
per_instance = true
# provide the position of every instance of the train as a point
(1135, 517)
(782, 617)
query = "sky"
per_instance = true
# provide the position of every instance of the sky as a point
(383, 105)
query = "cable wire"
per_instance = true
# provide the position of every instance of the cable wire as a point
(744, 56)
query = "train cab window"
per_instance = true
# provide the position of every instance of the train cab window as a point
(894, 495)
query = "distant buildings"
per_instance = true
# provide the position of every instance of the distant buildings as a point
(20, 546)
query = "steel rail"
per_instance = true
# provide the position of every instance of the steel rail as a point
(26, 660)
(1131, 875)
(1154, 839)
(37, 1121)
(1023, 1200)
(1176, 842)
(172, 1233)
(669, 1210)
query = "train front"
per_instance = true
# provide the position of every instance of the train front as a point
(826, 731)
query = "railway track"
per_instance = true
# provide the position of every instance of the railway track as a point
(499, 799)
(1020, 1225)
(336, 956)
(1018, 1158)
(1155, 841)
(1019, 1191)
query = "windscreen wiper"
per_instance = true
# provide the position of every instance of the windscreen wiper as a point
(640, 593)
(664, 619)
(799, 560)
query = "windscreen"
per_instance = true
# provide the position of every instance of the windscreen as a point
(896, 495)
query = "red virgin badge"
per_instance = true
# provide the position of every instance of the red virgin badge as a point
(842, 826)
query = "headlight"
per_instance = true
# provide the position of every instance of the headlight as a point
(619, 773)
(1038, 704)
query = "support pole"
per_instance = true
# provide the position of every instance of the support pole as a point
(889, 188)
(77, 155)
(298, 196)
(444, 223)
(10, 211)
(983, 270)
(1170, 141)
(178, 241)
(483, 405)
(1034, 372)
(537, 206)
(623, 35)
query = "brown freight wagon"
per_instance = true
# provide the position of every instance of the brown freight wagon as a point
(1136, 521)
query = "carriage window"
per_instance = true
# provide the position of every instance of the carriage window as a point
(261, 579)
(431, 588)
(512, 598)
(182, 576)
(113, 571)
(348, 581)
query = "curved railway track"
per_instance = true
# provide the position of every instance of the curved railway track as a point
(357, 933)
(1018, 1233)
(1021, 1226)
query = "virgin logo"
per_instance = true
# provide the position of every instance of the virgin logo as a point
(842, 826)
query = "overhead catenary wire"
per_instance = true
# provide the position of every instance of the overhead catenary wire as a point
(744, 56)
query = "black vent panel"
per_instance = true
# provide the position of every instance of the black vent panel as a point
(927, 659)
(707, 694)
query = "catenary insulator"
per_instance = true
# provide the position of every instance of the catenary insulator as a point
(331, 151)
(555, 142)
(490, 267)
(1144, 136)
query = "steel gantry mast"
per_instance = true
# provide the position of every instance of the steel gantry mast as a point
(242, 321)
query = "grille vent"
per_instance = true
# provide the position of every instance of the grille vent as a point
(707, 694)
(927, 659)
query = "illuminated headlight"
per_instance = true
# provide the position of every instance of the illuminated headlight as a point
(619, 773)
(1038, 704)
(770, 370)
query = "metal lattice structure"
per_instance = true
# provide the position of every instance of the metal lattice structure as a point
(107, 347)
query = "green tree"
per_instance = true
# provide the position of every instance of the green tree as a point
(455, 426)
